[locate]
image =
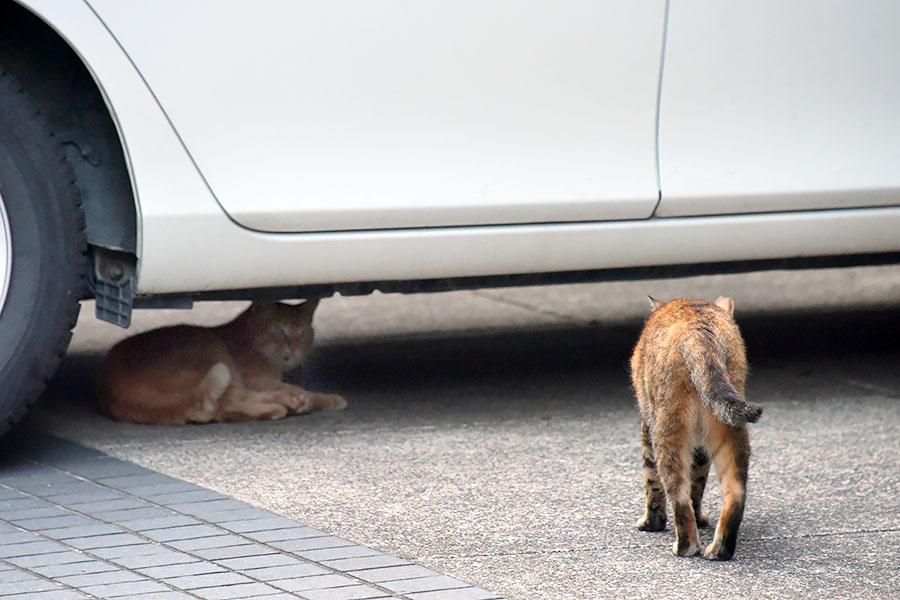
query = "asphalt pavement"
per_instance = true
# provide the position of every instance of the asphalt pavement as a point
(492, 436)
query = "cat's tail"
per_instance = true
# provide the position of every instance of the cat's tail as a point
(709, 376)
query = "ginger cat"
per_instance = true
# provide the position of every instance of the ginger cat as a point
(689, 369)
(232, 372)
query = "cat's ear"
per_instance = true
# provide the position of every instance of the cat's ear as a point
(654, 303)
(726, 304)
(308, 308)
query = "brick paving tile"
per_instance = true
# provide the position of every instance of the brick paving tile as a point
(128, 588)
(393, 573)
(181, 532)
(424, 584)
(353, 592)
(235, 592)
(78, 568)
(280, 535)
(51, 558)
(78, 487)
(317, 543)
(105, 468)
(316, 582)
(21, 503)
(60, 594)
(365, 562)
(469, 593)
(119, 503)
(19, 537)
(152, 523)
(9, 494)
(26, 587)
(240, 514)
(213, 541)
(208, 506)
(14, 575)
(339, 552)
(191, 582)
(286, 572)
(66, 520)
(131, 514)
(122, 552)
(161, 558)
(161, 493)
(138, 477)
(112, 540)
(262, 524)
(74, 484)
(76, 581)
(81, 531)
(35, 512)
(233, 551)
(181, 570)
(167, 595)
(178, 494)
(258, 561)
(29, 549)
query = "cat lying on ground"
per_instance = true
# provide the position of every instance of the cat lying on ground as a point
(232, 372)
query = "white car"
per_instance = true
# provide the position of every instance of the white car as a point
(157, 153)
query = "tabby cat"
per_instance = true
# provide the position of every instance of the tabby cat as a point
(689, 369)
(232, 372)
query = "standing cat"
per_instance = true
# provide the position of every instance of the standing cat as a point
(233, 372)
(689, 369)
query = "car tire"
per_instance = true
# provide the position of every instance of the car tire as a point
(43, 252)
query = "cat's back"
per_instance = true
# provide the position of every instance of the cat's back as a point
(166, 343)
(683, 331)
(159, 354)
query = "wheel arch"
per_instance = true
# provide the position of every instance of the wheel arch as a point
(77, 113)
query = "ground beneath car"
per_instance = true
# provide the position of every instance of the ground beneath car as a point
(492, 436)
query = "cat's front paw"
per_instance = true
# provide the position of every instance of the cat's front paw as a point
(297, 400)
(330, 402)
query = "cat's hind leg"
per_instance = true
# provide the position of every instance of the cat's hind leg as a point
(654, 518)
(699, 475)
(673, 446)
(732, 458)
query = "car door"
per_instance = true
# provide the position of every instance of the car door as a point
(380, 114)
(779, 106)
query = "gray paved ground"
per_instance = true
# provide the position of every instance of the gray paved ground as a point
(78, 524)
(492, 436)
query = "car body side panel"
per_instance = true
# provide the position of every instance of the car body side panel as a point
(187, 243)
(237, 258)
(772, 105)
(341, 115)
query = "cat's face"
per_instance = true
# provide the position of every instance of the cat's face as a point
(284, 333)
